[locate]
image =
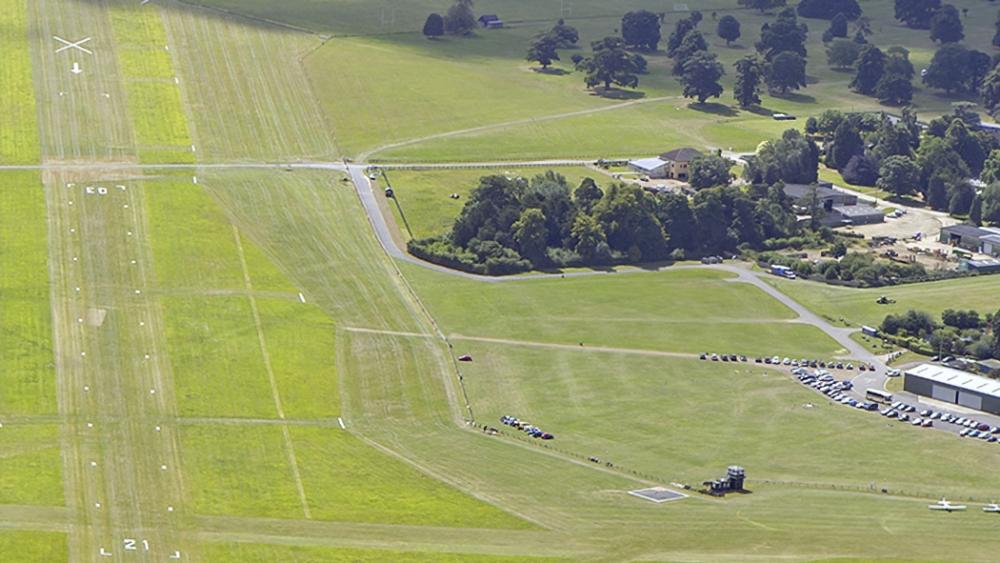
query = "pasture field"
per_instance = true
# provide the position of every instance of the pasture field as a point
(34, 547)
(30, 468)
(247, 96)
(424, 195)
(672, 311)
(239, 552)
(18, 121)
(25, 319)
(154, 100)
(857, 306)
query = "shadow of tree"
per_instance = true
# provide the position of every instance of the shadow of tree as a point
(714, 108)
(613, 93)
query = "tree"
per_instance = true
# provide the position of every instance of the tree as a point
(566, 35)
(785, 34)
(946, 25)
(728, 29)
(641, 30)
(960, 196)
(967, 145)
(708, 171)
(587, 195)
(460, 19)
(828, 9)
(693, 42)
(991, 209)
(611, 64)
(748, 79)
(762, 4)
(861, 170)
(897, 61)
(681, 29)
(702, 73)
(951, 69)
(916, 13)
(543, 50)
(976, 211)
(996, 36)
(587, 236)
(870, 68)
(793, 158)
(894, 89)
(899, 175)
(991, 169)
(838, 27)
(846, 144)
(937, 158)
(842, 53)
(530, 235)
(786, 72)
(990, 90)
(434, 26)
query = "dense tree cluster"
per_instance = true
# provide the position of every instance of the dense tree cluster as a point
(916, 13)
(513, 224)
(852, 268)
(958, 333)
(762, 5)
(782, 44)
(793, 159)
(955, 68)
(828, 9)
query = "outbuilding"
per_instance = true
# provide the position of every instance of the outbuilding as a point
(954, 386)
(853, 215)
(826, 196)
(985, 240)
(490, 21)
(653, 167)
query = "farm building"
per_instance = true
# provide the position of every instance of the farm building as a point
(677, 162)
(989, 367)
(853, 215)
(652, 167)
(970, 237)
(954, 386)
(490, 21)
(825, 194)
(987, 266)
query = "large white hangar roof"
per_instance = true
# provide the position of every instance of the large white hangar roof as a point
(957, 378)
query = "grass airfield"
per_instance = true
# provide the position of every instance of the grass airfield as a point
(179, 347)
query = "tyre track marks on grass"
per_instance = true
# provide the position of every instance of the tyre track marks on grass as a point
(289, 447)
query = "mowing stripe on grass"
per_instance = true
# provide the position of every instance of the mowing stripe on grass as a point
(289, 447)
(18, 120)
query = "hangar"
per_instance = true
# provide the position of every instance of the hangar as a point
(954, 386)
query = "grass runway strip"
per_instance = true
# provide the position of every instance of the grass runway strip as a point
(18, 122)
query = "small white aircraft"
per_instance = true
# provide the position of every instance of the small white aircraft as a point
(994, 507)
(946, 506)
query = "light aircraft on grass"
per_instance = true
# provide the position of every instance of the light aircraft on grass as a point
(946, 506)
(992, 507)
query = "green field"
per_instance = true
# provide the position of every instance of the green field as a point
(154, 100)
(29, 465)
(424, 195)
(34, 547)
(18, 121)
(689, 311)
(25, 318)
(857, 306)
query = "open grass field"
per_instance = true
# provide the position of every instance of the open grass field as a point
(154, 99)
(34, 547)
(25, 322)
(424, 195)
(672, 311)
(247, 94)
(18, 121)
(857, 306)
(30, 469)
(256, 552)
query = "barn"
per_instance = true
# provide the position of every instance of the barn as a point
(954, 386)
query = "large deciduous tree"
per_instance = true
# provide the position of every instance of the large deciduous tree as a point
(641, 30)
(828, 9)
(702, 72)
(749, 75)
(784, 34)
(708, 171)
(728, 29)
(566, 35)
(899, 175)
(694, 42)
(916, 13)
(544, 50)
(434, 26)
(460, 19)
(530, 235)
(611, 64)
(946, 25)
(762, 5)
(991, 205)
(843, 53)
(787, 71)
(870, 68)
(846, 143)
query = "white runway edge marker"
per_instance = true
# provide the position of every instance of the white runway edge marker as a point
(302, 298)
(341, 422)
(194, 179)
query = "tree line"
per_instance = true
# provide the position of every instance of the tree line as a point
(960, 332)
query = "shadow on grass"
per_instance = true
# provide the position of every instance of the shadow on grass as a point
(714, 108)
(613, 93)
(796, 98)
(906, 200)
(761, 111)
(550, 71)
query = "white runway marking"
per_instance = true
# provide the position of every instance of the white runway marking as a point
(194, 179)
(341, 422)
(73, 45)
(302, 298)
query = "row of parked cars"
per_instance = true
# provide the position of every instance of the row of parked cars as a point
(824, 382)
(779, 361)
(527, 427)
